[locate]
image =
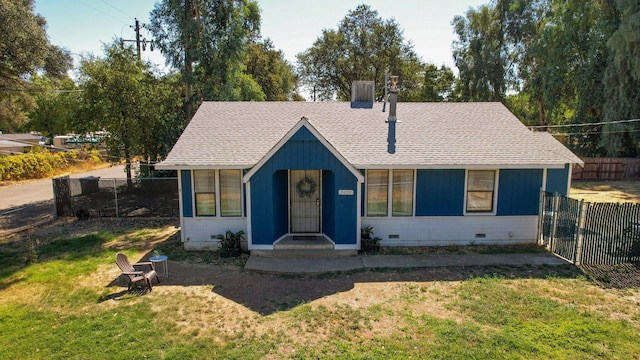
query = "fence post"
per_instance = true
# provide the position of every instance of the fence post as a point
(115, 192)
(540, 235)
(582, 217)
(554, 220)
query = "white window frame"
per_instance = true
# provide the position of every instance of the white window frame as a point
(219, 192)
(194, 193)
(494, 206)
(217, 196)
(389, 195)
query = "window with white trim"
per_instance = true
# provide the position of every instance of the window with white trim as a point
(402, 203)
(204, 184)
(230, 193)
(377, 192)
(480, 190)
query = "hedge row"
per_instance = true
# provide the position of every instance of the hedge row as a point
(43, 164)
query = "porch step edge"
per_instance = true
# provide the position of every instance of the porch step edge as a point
(304, 253)
(304, 246)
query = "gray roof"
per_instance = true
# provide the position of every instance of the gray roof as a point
(20, 137)
(428, 135)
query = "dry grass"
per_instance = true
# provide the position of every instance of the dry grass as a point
(613, 191)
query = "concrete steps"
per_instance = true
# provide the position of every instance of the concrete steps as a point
(303, 253)
(304, 247)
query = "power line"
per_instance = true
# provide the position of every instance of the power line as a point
(595, 132)
(584, 124)
(140, 43)
(115, 8)
(103, 12)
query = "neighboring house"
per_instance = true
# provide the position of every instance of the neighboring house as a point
(17, 143)
(443, 174)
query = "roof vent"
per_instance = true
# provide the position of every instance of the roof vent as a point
(362, 94)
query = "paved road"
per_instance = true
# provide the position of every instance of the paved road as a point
(16, 196)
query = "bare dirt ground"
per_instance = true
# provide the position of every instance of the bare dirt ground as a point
(207, 295)
(204, 274)
(277, 292)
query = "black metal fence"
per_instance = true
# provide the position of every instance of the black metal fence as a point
(590, 233)
(96, 197)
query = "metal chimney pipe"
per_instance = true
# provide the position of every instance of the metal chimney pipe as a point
(393, 99)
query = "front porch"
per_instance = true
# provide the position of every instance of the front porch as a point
(316, 246)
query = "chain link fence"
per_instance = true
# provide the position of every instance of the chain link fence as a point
(96, 197)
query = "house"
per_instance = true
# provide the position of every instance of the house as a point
(18, 143)
(421, 174)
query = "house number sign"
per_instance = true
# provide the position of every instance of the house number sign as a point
(345, 192)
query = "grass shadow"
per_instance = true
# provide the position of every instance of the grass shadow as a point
(266, 294)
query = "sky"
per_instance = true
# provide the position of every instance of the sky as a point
(83, 26)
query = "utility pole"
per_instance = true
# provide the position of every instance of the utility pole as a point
(139, 43)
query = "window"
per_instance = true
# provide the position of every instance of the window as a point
(402, 193)
(377, 192)
(204, 182)
(230, 193)
(480, 189)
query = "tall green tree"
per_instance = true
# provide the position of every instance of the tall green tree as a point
(268, 67)
(363, 47)
(480, 53)
(122, 97)
(622, 82)
(206, 40)
(25, 50)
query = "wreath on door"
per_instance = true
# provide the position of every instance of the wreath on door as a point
(306, 187)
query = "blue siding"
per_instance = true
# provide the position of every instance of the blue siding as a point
(187, 198)
(519, 191)
(269, 197)
(280, 203)
(440, 192)
(558, 180)
(328, 203)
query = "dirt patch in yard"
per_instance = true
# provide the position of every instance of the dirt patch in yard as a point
(612, 191)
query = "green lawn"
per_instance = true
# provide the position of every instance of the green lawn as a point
(68, 305)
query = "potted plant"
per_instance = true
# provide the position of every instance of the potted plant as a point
(230, 243)
(366, 232)
(368, 241)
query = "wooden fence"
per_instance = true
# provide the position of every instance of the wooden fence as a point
(606, 169)
(590, 233)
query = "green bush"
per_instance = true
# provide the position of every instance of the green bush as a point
(41, 163)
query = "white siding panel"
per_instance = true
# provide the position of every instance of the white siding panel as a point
(454, 230)
(197, 232)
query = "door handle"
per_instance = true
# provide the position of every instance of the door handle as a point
(317, 201)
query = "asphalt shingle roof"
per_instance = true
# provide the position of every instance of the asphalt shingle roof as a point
(428, 135)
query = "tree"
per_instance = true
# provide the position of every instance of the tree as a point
(622, 83)
(268, 67)
(480, 54)
(56, 106)
(122, 97)
(363, 47)
(206, 40)
(25, 51)
(438, 84)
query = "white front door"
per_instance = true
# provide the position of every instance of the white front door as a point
(304, 201)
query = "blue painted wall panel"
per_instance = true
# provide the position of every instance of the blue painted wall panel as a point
(187, 198)
(519, 192)
(558, 180)
(328, 203)
(280, 203)
(302, 152)
(440, 192)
